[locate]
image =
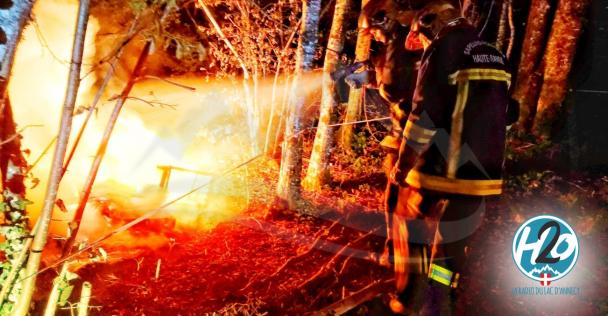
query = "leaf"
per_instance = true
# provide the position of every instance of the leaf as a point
(64, 295)
(35, 183)
(61, 205)
(104, 254)
(21, 204)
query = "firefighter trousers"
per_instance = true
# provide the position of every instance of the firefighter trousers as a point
(432, 234)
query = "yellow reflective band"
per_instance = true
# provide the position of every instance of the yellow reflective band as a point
(441, 274)
(456, 133)
(456, 186)
(480, 74)
(418, 134)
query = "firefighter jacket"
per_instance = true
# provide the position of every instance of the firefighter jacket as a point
(396, 72)
(454, 139)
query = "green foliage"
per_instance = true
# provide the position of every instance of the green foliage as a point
(64, 286)
(525, 146)
(529, 180)
(359, 142)
(15, 230)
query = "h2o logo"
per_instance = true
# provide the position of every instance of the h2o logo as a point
(545, 248)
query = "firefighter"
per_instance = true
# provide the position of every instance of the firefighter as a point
(394, 75)
(450, 159)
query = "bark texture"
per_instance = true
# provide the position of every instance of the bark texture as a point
(355, 96)
(13, 18)
(317, 174)
(289, 186)
(14, 226)
(503, 27)
(558, 58)
(40, 238)
(529, 73)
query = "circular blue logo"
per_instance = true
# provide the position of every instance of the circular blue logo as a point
(545, 248)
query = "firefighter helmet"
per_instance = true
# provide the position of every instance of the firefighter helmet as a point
(430, 20)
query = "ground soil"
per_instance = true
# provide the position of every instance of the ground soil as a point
(232, 268)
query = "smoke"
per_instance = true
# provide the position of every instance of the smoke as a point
(162, 124)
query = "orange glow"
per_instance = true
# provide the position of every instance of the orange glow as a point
(202, 130)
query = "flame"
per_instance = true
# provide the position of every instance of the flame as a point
(201, 130)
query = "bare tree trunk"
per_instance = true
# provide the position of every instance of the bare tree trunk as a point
(511, 32)
(101, 150)
(558, 58)
(273, 98)
(355, 95)
(503, 27)
(12, 21)
(99, 94)
(85, 298)
(13, 166)
(40, 238)
(291, 161)
(528, 75)
(283, 111)
(317, 173)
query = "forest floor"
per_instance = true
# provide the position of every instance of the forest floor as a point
(268, 261)
(282, 263)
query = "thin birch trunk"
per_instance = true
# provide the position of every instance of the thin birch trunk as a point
(353, 109)
(99, 94)
(20, 259)
(284, 104)
(559, 55)
(40, 239)
(527, 86)
(85, 297)
(289, 186)
(317, 174)
(252, 118)
(12, 22)
(273, 99)
(51, 304)
(101, 150)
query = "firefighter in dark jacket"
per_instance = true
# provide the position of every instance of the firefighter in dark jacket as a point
(394, 75)
(451, 156)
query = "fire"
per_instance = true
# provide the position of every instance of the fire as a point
(201, 131)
